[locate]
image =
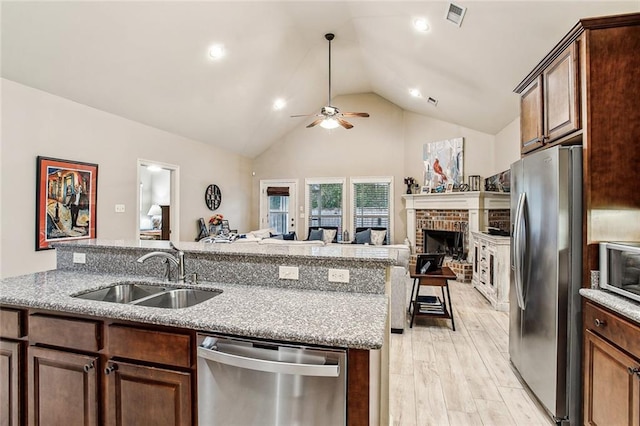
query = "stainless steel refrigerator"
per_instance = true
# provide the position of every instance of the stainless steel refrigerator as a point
(546, 274)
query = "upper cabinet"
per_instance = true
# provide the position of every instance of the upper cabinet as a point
(550, 100)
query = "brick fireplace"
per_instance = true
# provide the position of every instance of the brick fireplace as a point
(469, 211)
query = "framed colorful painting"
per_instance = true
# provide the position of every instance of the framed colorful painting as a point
(443, 163)
(66, 201)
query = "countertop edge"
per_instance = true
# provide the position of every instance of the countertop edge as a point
(624, 306)
(199, 320)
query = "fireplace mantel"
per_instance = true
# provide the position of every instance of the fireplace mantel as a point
(478, 203)
(474, 200)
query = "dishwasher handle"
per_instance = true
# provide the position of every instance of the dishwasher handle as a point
(269, 366)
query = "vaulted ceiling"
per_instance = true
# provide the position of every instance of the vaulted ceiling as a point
(148, 61)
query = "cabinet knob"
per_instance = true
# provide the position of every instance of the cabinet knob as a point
(88, 367)
(600, 323)
(634, 370)
(110, 369)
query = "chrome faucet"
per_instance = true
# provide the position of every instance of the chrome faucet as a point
(177, 260)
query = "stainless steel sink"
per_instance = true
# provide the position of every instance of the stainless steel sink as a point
(146, 294)
(179, 298)
(124, 292)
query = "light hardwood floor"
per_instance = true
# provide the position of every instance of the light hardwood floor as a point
(442, 377)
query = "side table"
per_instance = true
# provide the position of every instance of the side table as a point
(432, 306)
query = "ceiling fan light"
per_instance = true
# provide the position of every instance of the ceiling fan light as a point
(329, 123)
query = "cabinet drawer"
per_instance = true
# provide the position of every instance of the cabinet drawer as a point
(149, 345)
(11, 323)
(619, 331)
(65, 332)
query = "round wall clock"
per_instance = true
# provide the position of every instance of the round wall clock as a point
(213, 197)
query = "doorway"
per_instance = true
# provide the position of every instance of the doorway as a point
(158, 206)
(278, 203)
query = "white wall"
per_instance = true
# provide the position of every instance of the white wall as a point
(389, 143)
(419, 130)
(507, 146)
(37, 123)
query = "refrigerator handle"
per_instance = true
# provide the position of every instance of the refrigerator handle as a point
(519, 250)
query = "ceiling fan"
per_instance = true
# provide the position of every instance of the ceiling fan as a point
(330, 116)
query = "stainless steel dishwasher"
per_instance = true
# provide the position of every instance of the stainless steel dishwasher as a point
(249, 382)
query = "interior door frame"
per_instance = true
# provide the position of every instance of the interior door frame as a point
(174, 197)
(292, 184)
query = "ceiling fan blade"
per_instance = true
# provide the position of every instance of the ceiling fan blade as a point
(355, 114)
(344, 123)
(316, 122)
(302, 115)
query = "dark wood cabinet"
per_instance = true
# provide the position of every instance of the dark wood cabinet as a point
(11, 366)
(611, 369)
(550, 102)
(139, 395)
(561, 95)
(63, 388)
(146, 373)
(531, 119)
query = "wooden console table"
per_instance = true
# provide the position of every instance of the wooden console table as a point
(432, 306)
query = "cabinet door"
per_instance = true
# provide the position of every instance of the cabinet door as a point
(62, 387)
(611, 389)
(141, 395)
(10, 367)
(531, 123)
(561, 114)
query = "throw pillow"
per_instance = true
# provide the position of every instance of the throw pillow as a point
(363, 237)
(315, 235)
(289, 237)
(277, 237)
(377, 237)
(328, 235)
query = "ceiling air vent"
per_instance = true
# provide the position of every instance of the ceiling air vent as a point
(432, 101)
(455, 13)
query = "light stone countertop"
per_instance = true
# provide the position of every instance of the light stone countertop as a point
(387, 254)
(622, 305)
(329, 318)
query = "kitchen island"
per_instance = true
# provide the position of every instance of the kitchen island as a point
(53, 327)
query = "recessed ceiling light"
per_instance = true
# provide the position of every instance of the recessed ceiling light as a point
(279, 103)
(421, 24)
(216, 51)
(415, 93)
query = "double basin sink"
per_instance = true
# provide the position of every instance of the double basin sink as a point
(153, 295)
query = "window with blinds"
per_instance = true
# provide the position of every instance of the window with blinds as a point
(278, 208)
(371, 204)
(325, 205)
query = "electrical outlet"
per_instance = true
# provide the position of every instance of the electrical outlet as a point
(288, 272)
(338, 275)
(119, 208)
(79, 258)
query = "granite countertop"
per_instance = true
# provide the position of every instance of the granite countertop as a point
(384, 254)
(622, 305)
(337, 319)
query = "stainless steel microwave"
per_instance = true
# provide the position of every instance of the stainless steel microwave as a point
(620, 268)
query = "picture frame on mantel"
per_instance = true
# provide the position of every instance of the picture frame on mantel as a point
(426, 189)
(66, 201)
